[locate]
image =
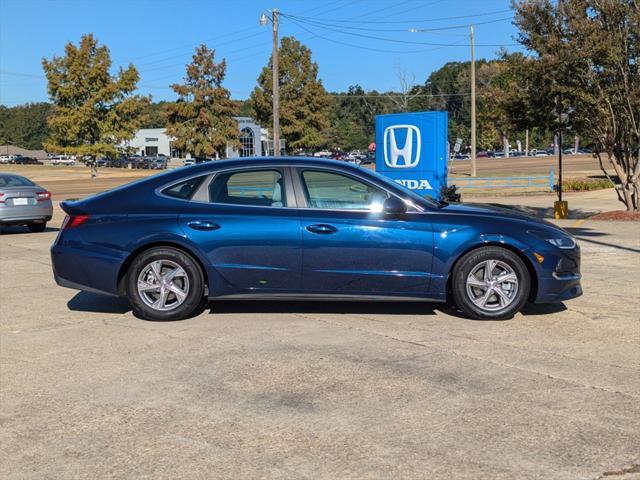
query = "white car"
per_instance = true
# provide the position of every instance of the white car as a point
(7, 158)
(189, 161)
(62, 160)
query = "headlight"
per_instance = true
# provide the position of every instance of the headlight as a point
(556, 239)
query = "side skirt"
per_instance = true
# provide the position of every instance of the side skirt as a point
(306, 297)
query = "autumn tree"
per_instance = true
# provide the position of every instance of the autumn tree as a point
(94, 111)
(303, 100)
(586, 53)
(201, 120)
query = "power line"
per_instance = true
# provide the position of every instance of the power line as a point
(395, 40)
(362, 47)
(404, 30)
(457, 17)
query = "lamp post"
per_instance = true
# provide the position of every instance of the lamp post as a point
(264, 18)
(473, 94)
(473, 105)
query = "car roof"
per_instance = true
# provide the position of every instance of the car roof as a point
(266, 161)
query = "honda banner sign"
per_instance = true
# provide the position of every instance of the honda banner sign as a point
(411, 148)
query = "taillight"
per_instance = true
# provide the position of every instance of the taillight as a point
(1, 199)
(72, 221)
(42, 196)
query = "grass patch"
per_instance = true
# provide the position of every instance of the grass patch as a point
(586, 184)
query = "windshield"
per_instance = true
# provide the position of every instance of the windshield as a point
(409, 193)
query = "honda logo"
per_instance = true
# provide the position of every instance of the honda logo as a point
(392, 152)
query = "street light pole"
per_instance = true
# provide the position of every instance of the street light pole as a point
(473, 105)
(264, 18)
(276, 84)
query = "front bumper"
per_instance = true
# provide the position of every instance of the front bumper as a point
(559, 277)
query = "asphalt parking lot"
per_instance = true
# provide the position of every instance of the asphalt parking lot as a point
(321, 390)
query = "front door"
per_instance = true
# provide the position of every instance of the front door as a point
(242, 224)
(350, 247)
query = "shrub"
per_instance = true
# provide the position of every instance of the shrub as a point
(450, 193)
(586, 184)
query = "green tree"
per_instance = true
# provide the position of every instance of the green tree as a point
(303, 100)
(94, 111)
(586, 53)
(154, 115)
(25, 125)
(352, 117)
(201, 120)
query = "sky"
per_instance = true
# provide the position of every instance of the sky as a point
(365, 42)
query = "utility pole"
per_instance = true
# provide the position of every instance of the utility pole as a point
(264, 18)
(276, 84)
(473, 105)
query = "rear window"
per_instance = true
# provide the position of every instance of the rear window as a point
(184, 190)
(14, 181)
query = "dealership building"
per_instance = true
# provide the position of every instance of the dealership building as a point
(254, 142)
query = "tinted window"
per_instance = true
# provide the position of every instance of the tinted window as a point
(262, 188)
(340, 192)
(184, 190)
(14, 181)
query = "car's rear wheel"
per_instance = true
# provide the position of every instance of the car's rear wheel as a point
(164, 284)
(490, 283)
(36, 227)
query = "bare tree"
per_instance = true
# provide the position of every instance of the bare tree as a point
(408, 90)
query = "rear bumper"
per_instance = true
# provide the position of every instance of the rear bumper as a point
(28, 213)
(85, 270)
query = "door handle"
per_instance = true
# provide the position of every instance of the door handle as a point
(322, 228)
(199, 225)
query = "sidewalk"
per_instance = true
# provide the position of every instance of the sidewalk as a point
(581, 204)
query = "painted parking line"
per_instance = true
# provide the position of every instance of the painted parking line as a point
(577, 223)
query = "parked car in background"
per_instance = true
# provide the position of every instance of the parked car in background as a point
(188, 161)
(26, 161)
(538, 153)
(482, 154)
(7, 158)
(461, 156)
(300, 228)
(62, 160)
(23, 202)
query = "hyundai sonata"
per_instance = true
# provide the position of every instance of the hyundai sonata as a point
(301, 228)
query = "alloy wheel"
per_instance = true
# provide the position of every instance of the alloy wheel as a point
(163, 285)
(492, 285)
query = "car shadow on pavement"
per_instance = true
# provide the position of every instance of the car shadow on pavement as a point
(17, 229)
(547, 212)
(336, 307)
(96, 303)
(584, 234)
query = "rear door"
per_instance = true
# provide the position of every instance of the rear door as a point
(350, 247)
(241, 221)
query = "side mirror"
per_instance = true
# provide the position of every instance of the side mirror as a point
(394, 206)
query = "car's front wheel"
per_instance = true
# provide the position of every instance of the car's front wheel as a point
(164, 284)
(490, 283)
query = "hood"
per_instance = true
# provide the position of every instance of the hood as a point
(500, 211)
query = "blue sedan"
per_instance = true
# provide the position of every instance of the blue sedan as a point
(297, 228)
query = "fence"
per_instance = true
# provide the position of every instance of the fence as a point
(536, 181)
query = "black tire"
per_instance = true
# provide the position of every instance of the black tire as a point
(472, 261)
(37, 227)
(194, 275)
